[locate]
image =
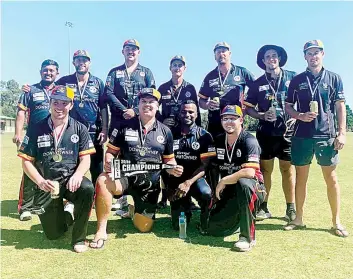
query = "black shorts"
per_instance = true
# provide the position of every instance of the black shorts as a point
(274, 146)
(144, 189)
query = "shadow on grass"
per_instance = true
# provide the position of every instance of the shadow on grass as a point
(34, 238)
(9, 209)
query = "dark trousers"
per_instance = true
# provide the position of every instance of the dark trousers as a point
(200, 191)
(53, 219)
(26, 194)
(96, 167)
(237, 209)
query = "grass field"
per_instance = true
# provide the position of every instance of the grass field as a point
(311, 253)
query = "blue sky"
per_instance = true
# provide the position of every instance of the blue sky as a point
(35, 31)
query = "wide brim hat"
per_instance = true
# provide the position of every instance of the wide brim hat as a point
(280, 51)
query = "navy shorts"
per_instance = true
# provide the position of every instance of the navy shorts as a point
(303, 150)
(274, 146)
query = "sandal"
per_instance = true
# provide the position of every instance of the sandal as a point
(340, 231)
(81, 246)
(98, 244)
(292, 227)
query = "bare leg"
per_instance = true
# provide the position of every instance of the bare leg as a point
(288, 180)
(333, 192)
(267, 169)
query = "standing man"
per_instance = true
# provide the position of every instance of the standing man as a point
(122, 87)
(56, 150)
(89, 107)
(193, 148)
(143, 140)
(266, 101)
(225, 85)
(35, 104)
(240, 190)
(320, 129)
(174, 93)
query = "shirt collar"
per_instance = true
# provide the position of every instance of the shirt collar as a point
(311, 76)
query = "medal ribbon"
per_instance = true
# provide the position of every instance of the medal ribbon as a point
(81, 89)
(274, 92)
(143, 135)
(231, 154)
(225, 78)
(58, 137)
(316, 86)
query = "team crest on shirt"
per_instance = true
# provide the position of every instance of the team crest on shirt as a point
(188, 94)
(75, 138)
(195, 145)
(238, 153)
(93, 89)
(237, 78)
(119, 74)
(325, 86)
(142, 74)
(287, 83)
(160, 139)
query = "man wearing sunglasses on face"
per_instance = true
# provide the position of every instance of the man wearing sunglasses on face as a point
(240, 190)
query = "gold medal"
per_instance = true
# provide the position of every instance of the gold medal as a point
(142, 152)
(81, 105)
(57, 157)
(220, 92)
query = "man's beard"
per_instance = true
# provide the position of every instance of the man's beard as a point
(81, 72)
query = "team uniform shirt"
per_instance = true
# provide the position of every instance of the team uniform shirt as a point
(171, 100)
(266, 92)
(122, 89)
(246, 154)
(191, 149)
(135, 144)
(232, 92)
(327, 89)
(36, 103)
(88, 103)
(38, 147)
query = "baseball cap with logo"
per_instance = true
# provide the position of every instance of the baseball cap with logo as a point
(49, 62)
(312, 44)
(150, 92)
(178, 57)
(81, 53)
(232, 110)
(221, 44)
(63, 93)
(132, 42)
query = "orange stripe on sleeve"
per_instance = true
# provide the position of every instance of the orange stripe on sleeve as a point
(248, 104)
(25, 156)
(87, 152)
(208, 154)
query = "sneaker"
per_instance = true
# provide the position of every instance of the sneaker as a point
(69, 213)
(120, 203)
(26, 216)
(290, 214)
(263, 214)
(243, 245)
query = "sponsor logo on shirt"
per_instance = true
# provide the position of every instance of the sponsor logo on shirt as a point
(195, 145)
(213, 82)
(264, 87)
(303, 86)
(75, 138)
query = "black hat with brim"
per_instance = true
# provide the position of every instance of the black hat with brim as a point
(280, 51)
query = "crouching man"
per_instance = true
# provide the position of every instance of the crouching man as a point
(143, 139)
(240, 190)
(193, 147)
(56, 155)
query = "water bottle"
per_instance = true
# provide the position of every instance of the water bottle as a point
(182, 226)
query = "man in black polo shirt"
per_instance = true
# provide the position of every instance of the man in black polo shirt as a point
(143, 140)
(35, 104)
(320, 129)
(193, 147)
(89, 108)
(225, 85)
(56, 150)
(174, 93)
(265, 101)
(122, 87)
(240, 190)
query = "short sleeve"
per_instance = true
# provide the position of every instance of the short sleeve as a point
(102, 102)
(249, 77)
(168, 150)
(251, 96)
(291, 95)
(251, 153)
(23, 101)
(115, 140)
(207, 148)
(205, 90)
(339, 95)
(86, 146)
(28, 148)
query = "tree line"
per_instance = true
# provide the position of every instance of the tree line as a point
(10, 93)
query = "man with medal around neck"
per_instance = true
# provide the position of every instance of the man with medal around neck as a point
(240, 190)
(124, 83)
(57, 149)
(173, 93)
(144, 139)
(320, 129)
(35, 103)
(265, 101)
(225, 85)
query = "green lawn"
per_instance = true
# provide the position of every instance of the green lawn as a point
(313, 253)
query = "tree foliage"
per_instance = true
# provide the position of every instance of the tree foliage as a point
(10, 92)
